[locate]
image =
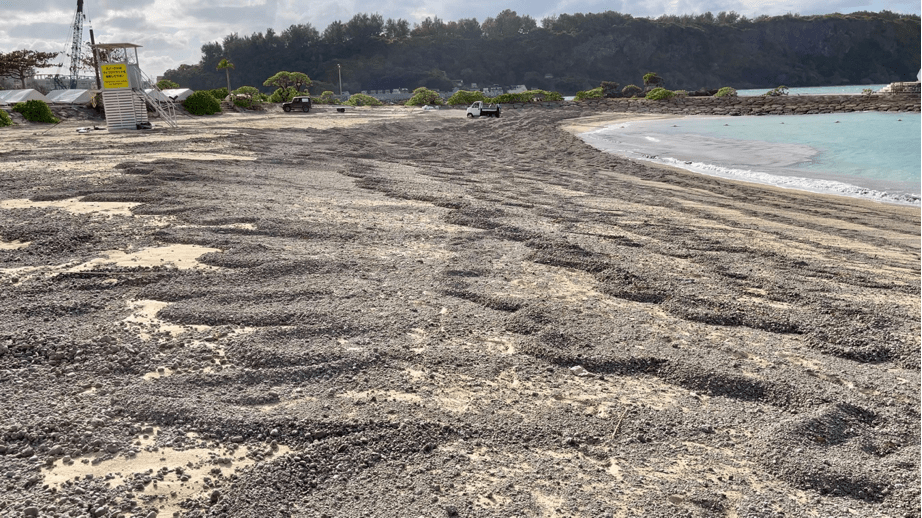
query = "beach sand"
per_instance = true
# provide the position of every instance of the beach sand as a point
(393, 312)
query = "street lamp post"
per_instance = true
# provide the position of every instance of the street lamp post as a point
(339, 68)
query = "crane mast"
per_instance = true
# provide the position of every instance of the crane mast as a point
(76, 46)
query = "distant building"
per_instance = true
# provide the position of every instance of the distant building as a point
(493, 91)
(46, 83)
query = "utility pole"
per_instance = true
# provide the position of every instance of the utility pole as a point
(95, 59)
(340, 69)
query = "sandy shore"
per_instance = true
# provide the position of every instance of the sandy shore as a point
(392, 312)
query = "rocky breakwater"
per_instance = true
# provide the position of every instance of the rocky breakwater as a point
(784, 105)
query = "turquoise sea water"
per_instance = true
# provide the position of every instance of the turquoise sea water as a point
(814, 90)
(871, 155)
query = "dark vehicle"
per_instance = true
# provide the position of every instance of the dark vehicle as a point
(302, 103)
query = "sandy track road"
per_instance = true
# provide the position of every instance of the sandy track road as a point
(403, 313)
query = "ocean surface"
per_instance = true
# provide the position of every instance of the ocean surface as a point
(814, 90)
(868, 155)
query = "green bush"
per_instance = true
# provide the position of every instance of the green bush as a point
(283, 95)
(466, 98)
(166, 84)
(253, 97)
(218, 93)
(726, 92)
(595, 93)
(681, 93)
(363, 100)
(423, 96)
(660, 94)
(527, 97)
(777, 91)
(651, 78)
(327, 97)
(35, 111)
(5, 119)
(250, 91)
(610, 89)
(631, 90)
(202, 103)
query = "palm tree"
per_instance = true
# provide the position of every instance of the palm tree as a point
(226, 66)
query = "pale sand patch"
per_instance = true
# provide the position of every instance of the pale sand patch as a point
(197, 463)
(595, 122)
(182, 257)
(196, 155)
(74, 206)
(14, 245)
(144, 313)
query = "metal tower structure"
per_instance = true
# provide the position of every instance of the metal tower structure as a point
(76, 44)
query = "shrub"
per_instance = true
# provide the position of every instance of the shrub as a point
(423, 96)
(202, 103)
(595, 93)
(327, 97)
(466, 98)
(5, 119)
(660, 94)
(283, 95)
(250, 91)
(166, 84)
(35, 111)
(726, 92)
(247, 97)
(652, 79)
(610, 89)
(218, 93)
(777, 91)
(867, 91)
(363, 100)
(527, 97)
(631, 90)
(681, 93)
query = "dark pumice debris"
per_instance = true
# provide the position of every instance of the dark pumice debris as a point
(423, 315)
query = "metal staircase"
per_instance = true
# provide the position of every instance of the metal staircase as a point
(164, 108)
(161, 104)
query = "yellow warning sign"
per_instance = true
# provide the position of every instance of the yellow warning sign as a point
(115, 76)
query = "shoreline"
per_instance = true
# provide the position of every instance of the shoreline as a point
(592, 124)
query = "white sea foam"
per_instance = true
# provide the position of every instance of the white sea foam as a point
(790, 182)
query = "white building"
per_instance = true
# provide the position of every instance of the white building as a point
(70, 96)
(12, 97)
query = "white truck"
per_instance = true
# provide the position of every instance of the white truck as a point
(480, 108)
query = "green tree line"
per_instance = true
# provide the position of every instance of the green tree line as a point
(572, 52)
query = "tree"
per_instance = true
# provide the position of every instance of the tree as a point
(166, 84)
(285, 80)
(226, 65)
(398, 29)
(20, 64)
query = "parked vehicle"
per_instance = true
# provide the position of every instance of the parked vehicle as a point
(479, 108)
(302, 103)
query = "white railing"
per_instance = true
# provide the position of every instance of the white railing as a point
(162, 104)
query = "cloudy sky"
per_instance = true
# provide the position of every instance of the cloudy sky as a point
(173, 31)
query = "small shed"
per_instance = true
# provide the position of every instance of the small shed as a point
(20, 96)
(70, 96)
(178, 94)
